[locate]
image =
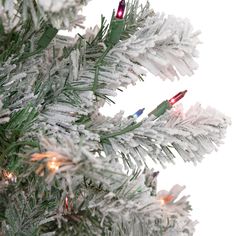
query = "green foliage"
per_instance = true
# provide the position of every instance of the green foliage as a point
(13, 41)
(22, 216)
(66, 94)
(135, 16)
(11, 133)
(27, 205)
(19, 41)
(101, 35)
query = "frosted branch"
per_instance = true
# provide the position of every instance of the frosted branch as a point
(192, 135)
(165, 46)
(136, 213)
(64, 160)
(56, 84)
(60, 13)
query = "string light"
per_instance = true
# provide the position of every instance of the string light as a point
(67, 203)
(166, 199)
(121, 10)
(53, 165)
(137, 113)
(53, 161)
(167, 104)
(117, 25)
(177, 97)
(9, 176)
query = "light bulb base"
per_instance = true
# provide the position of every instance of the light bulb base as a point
(116, 29)
(160, 109)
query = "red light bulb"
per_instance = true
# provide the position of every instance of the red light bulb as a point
(121, 10)
(167, 104)
(67, 203)
(177, 97)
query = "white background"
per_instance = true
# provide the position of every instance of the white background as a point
(211, 184)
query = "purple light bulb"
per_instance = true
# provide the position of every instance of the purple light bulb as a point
(121, 10)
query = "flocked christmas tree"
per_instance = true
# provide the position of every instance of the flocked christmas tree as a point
(66, 169)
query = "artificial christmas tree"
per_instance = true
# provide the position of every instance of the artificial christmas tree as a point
(66, 169)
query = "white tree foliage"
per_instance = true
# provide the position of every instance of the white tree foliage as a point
(120, 199)
(97, 151)
(60, 13)
(192, 134)
(165, 46)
